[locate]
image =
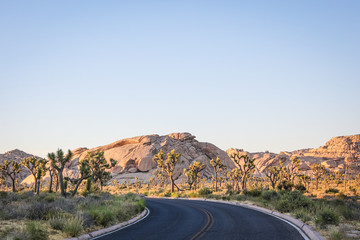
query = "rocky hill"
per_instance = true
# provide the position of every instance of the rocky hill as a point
(337, 153)
(17, 155)
(134, 155)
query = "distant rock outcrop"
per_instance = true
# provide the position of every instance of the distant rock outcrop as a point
(337, 153)
(134, 155)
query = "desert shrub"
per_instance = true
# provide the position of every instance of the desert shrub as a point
(336, 235)
(252, 193)
(58, 221)
(192, 194)
(332, 190)
(204, 191)
(3, 194)
(73, 226)
(292, 201)
(237, 197)
(300, 187)
(327, 216)
(269, 195)
(102, 215)
(141, 204)
(37, 210)
(50, 197)
(174, 194)
(342, 196)
(167, 194)
(303, 215)
(285, 185)
(35, 231)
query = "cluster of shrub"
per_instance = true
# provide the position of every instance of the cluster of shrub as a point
(69, 215)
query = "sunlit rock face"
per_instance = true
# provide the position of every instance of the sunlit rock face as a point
(337, 153)
(134, 155)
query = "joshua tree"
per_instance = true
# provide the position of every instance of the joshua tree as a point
(84, 174)
(218, 166)
(94, 165)
(11, 170)
(167, 165)
(35, 166)
(52, 172)
(318, 172)
(246, 166)
(292, 169)
(235, 176)
(305, 179)
(273, 174)
(193, 173)
(58, 161)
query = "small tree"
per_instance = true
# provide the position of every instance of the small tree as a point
(34, 165)
(235, 176)
(218, 166)
(52, 174)
(317, 171)
(85, 173)
(40, 172)
(246, 166)
(58, 161)
(305, 180)
(273, 174)
(193, 173)
(11, 170)
(167, 164)
(292, 169)
(99, 166)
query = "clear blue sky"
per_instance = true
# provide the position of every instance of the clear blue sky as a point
(258, 75)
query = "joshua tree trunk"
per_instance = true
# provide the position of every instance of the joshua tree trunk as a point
(13, 184)
(216, 187)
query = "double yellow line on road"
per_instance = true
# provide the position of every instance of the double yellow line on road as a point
(209, 223)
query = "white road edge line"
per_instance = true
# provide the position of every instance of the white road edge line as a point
(105, 234)
(288, 222)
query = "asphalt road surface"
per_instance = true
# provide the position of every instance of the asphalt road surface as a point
(172, 219)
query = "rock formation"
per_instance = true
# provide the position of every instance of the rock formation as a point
(134, 155)
(337, 153)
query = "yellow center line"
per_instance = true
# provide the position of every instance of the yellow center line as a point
(208, 225)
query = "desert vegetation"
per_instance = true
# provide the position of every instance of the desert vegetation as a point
(76, 205)
(326, 200)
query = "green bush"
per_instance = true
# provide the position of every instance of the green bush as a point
(141, 204)
(331, 190)
(35, 231)
(73, 226)
(252, 193)
(204, 191)
(102, 216)
(303, 215)
(167, 194)
(58, 221)
(269, 195)
(327, 216)
(51, 197)
(291, 201)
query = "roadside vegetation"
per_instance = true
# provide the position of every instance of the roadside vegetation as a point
(327, 201)
(82, 202)
(67, 206)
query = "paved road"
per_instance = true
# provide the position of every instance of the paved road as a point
(185, 219)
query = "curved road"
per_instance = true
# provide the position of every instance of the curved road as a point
(185, 219)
